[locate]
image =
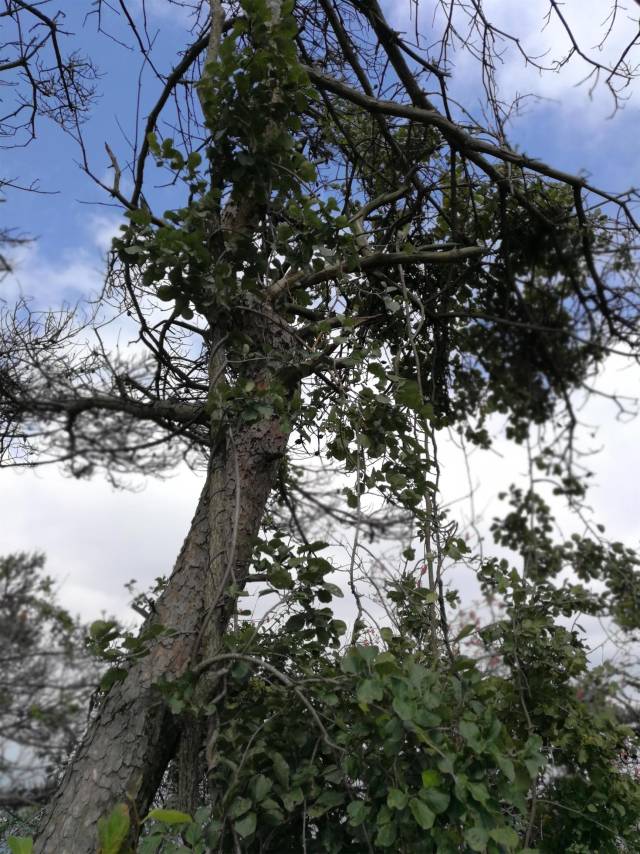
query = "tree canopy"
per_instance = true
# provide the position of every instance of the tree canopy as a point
(327, 262)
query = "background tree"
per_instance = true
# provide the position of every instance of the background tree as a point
(38, 79)
(47, 679)
(342, 262)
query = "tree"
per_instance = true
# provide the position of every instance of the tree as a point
(39, 80)
(47, 679)
(344, 265)
(39, 77)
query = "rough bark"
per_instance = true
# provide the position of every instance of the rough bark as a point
(240, 484)
(133, 737)
(125, 752)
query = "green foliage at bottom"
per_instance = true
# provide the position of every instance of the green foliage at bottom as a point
(376, 747)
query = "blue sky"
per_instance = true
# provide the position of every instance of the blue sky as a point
(72, 221)
(568, 128)
(97, 539)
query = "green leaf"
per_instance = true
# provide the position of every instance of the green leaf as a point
(296, 622)
(446, 765)
(507, 767)
(479, 792)
(202, 815)
(333, 589)
(386, 634)
(368, 652)
(408, 394)
(334, 774)
(350, 662)
(470, 732)
(505, 836)
(386, 836)
(20, 844)
(280, 578)
(152, 141)
(437, 800)
(265, 410)
(469, 629)
(260, 787)
(272, 810)
(369, 691)
(315, 546)
(430, 777)
(113, 830)
(101, 630)
(194, 160)
(404, 710)
(112, 676)
(176, 705)
(166, 292)
(293, 798)
(397, 799)
(170, 816)
(477, 838)
(280, 769)
(240, 670)
(245, 158)
(357, 812)
(331, 798)
(327, 800)
(246, 826)
(423, 816)
(339, 627)
(239, 807)
(386, 662)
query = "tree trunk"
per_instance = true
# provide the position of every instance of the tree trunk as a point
(129, 744)
(126, 750)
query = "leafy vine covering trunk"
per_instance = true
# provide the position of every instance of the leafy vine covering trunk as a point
(134, 735)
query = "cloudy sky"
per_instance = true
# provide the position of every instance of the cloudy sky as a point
(97, 539)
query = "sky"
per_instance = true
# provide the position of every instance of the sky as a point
(96, 538)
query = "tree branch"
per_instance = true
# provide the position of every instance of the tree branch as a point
(370, 263)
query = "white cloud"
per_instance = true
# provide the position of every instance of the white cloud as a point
(612, 500)
(75, 274)
(183, 12)
(543, 37)
(96, 539)
(583, 95)
(611, 442)
(74, 277)
(102, 229)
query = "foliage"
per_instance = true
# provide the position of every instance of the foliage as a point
(47, 678)
(394, 744)
(358, 273)
(375, 746)
(364, 746)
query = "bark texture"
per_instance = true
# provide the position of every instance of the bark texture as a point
(131, 739)
(134, 735)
